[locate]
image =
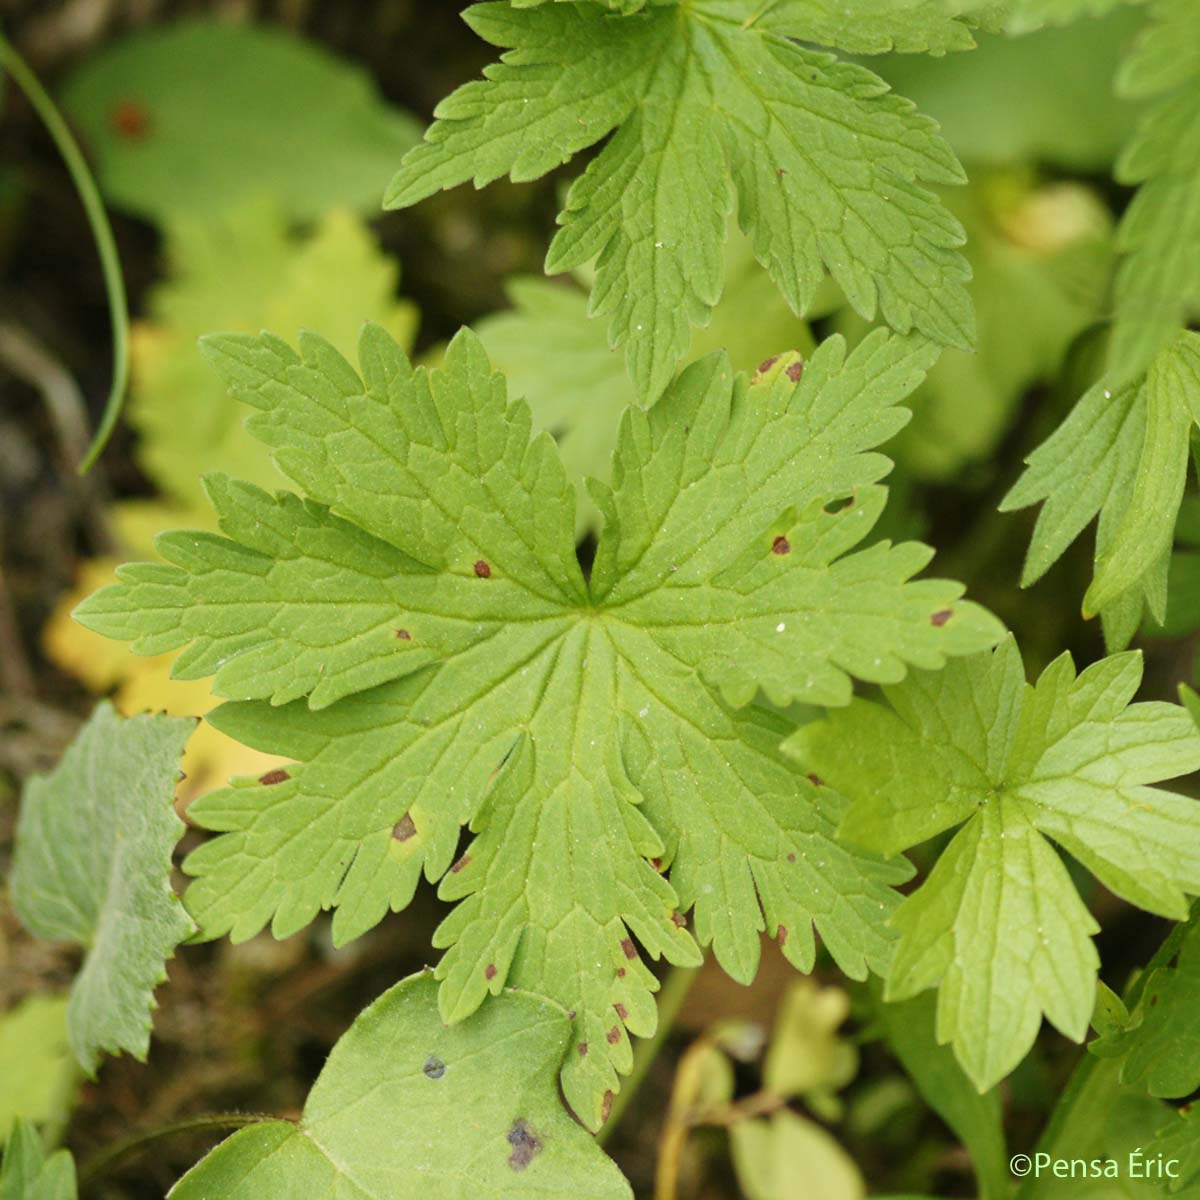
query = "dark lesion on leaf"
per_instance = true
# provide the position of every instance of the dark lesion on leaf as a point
(458, 866)
(795, 370)
(404, 828)
(483, 569)
(628, 948)
(489, 972)
(404, 635)
(781, 545)
(613, 1035)
(525, 1143)
(941, 617)
(278, 775)
(606, 1106)
(781, 935)
(433, 1067)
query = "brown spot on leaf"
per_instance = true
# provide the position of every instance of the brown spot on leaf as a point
(767, 364)
(628, 948)
(130, 120)
(525, 1144)
(404, 829)
(489, 972)
(433, 1067)
(483, 570)
(571, 1014)
(656, 863)
(606, 1106)
(815, 780)
(622, 1011)
(583, 1049)
(404, 635)
(614, 1035)
(791, 856)
(458, 866)
(678, 920)
(1153, 1001)
(781, 935)
(278, 775)
(796, 370)
(620, 972)
(940, 618)
(781, 545)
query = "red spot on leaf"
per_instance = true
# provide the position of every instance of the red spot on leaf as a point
(796, 370)
(791, 856)
(458, 866)
(614, 1035)
(279, 775)
(404, 635)
(656, 863)
(767, 364)
(781, 935)
(483, 570)
(629, 949)
(781, 545)
(620, 972)
(583, 1049)
(130, 120)
(489, 972)
(815, 780)
(622, 1011)
(940, 618)
(404, 829)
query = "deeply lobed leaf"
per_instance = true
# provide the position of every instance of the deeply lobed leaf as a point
(998, 926)
(703, 102)
(597, 735)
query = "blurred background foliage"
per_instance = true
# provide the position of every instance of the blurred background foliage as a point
(242, 149)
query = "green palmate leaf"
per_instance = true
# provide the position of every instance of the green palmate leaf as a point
(1122, 452)
(187, 119)
(27, 1173)
(1158, 286)
(998, 924)
(786, 1157)
(92, 866)
(407, 1108)
(584, 729)
(705, 100)
(910, 1028)
(561, 363)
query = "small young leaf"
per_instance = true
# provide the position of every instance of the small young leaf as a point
(27, 1173)
(407, 1108)
(92, 866)
(581, 728)
(998, 924)
(706, 100)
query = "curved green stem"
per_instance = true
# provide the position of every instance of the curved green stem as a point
(110, 1156)
(106, 245)
(674, 992)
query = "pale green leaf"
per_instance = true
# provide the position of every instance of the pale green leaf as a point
(92, 866)
(407, 1108)
(36, 1062)
(27, 1173)
(589, 732)
(199, 116)
(998, 926)
(708, 100)
(786, 1157)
